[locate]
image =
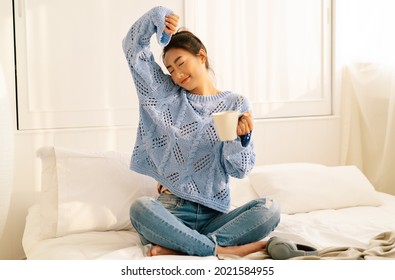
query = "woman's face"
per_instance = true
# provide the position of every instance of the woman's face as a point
(187, 70)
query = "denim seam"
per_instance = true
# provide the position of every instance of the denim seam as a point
(213, 238)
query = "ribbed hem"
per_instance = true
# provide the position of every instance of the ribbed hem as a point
(208, 203)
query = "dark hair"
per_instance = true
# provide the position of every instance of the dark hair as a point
(188, 41)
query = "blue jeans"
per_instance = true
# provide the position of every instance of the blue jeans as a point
(189, 227)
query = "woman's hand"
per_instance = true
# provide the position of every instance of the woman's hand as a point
(171, 22)
(245, 124)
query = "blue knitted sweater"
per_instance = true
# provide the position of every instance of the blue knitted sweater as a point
(176, 141)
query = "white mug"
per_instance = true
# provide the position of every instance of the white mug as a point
(226, 124)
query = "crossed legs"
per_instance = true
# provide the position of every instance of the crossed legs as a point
(176, 226)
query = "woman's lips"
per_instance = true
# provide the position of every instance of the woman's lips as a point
(185, 80)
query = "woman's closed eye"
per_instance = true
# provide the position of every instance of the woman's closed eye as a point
(171, 69)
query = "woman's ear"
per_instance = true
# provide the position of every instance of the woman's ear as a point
(203, 55)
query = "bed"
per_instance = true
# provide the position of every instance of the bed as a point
(86, 195)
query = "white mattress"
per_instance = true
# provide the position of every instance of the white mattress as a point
(351, 227)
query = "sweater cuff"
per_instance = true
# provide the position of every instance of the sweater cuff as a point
(165, 39)
(159, 14)
(245, 139)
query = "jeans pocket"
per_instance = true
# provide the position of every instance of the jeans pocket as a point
(170, 201)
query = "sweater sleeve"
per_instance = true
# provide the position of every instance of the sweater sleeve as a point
(147, 74)
(239, 155)
(238, 160)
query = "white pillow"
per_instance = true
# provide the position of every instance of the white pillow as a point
(306, 187)
(88, 191)
(241, 191)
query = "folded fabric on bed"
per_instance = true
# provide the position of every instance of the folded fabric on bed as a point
(381, 247)
(306, 187)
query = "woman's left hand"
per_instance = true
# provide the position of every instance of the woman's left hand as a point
(245, 124)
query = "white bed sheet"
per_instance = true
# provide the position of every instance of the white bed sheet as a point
(351, 227)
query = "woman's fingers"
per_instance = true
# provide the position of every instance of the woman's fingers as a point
(171, 23)
(245, 124)
(172, 19)
(248, 118)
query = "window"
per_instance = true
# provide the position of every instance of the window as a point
(72, 72)
(276, 52)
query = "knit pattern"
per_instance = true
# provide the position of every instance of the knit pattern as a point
(176, 141)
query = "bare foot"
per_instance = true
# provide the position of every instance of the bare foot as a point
(242, 250)
(159, 251)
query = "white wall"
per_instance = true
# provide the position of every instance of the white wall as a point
(298, 140)
(277, 140)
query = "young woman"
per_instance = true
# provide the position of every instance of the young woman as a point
(177, 144)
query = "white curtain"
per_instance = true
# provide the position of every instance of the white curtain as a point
(365, 57)
(270, 51)
(6, 152)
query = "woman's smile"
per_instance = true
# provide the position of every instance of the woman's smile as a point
(185, 80)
